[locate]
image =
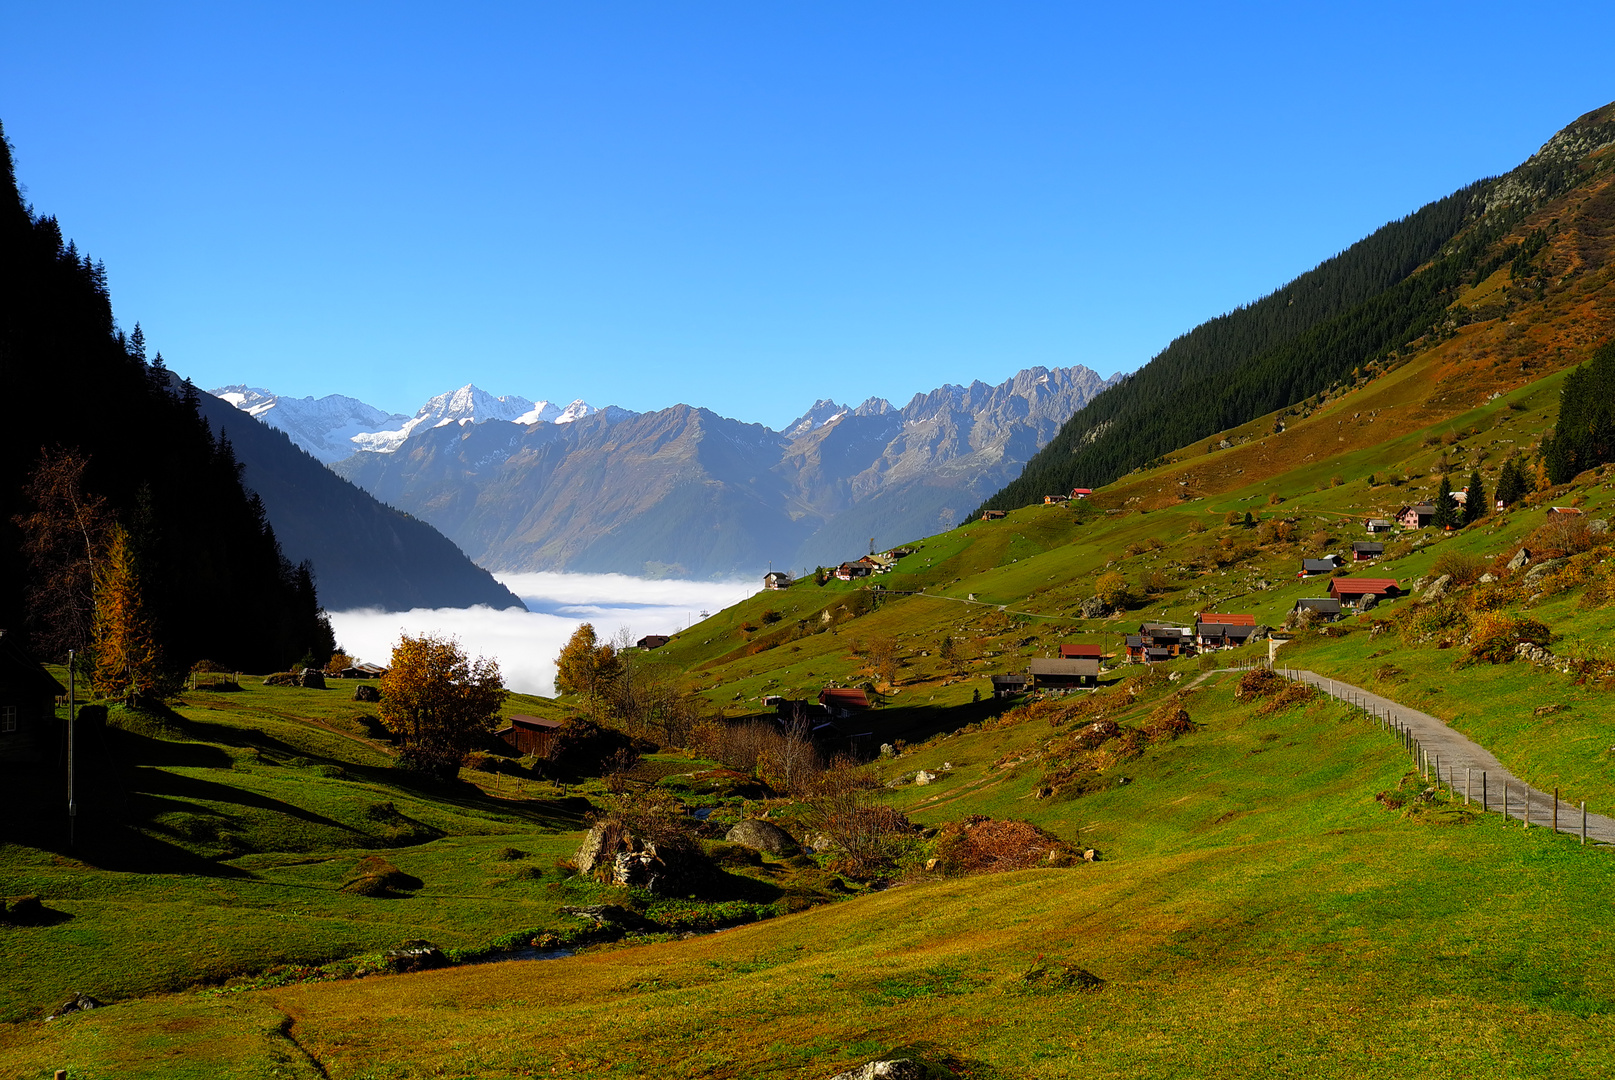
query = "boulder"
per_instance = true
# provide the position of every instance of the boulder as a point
(1438, 587)
(311, 679)
(887, 750)
(1419, 584)
(1598, 526)
(1521, 557)
(415, 956)
(600, 847)
(895, 1069)
(1487, 578)
(661, 869)
(762, 836)
(76, 1003)
(1542, 570)
(367, 692)
(924, 776)
(1093, 608)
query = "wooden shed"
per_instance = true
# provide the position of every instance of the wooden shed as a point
(27, 704)
(534, 736)
(1051, 672)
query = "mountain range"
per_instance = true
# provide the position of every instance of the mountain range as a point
(334, 427)
(683, 490)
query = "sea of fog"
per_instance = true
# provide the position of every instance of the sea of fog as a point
(526, 642)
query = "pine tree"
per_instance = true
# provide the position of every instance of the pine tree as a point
(1445, 516)
(1512, 483)
(128, 662)
(1475, 506)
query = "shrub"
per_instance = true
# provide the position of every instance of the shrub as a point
(1274, 499)
(1112, 591)
(1496, 634)
(281, 678)
(375, 876)
(509, 854)
(1461, 566)
(1169, 722)
(1259, 683)
(1295, 693)
(981, 845)
(1561, 535)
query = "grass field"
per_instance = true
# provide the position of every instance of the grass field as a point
(1254, 911)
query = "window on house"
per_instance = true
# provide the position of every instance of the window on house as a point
(8, 718)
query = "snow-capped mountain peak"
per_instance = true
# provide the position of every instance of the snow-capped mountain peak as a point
(334, 427)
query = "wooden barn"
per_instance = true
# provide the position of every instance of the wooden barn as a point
(27, 704)
(534, 736)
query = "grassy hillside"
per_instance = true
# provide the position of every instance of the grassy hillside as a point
(1391, 294)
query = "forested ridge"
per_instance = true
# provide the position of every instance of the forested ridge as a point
(87, 411)
(1358, 308)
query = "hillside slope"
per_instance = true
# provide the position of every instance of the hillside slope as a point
(1367, 306)
(365, 554)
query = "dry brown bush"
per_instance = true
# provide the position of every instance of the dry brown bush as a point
(981, 845)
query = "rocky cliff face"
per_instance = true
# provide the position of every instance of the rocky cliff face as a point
(686, 491)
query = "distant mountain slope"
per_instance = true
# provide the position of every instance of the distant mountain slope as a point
(1354, 310)
(365, 554)
(685, 490)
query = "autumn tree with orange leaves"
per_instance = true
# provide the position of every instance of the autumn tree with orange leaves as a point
(128, 661)
(438, 702)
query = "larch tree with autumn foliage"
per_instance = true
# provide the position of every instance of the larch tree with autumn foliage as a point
(128, 660)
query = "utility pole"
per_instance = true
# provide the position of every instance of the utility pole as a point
(72, 702)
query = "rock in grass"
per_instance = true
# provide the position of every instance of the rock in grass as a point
(1438, 587)
(895, 1069)
(415, 956)
(924, 776)
(76, 1003)
(762, 836)
(311, 679)
(366, 692)
(1521, 557)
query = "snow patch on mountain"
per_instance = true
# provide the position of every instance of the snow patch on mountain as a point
(325, 427)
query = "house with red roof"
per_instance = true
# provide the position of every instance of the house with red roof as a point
(1350, 590)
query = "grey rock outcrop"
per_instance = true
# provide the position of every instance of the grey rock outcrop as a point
(367, 692)
(762, 836)
(311, 679)
(1093, 608)
(1521, 557)
(895, 1069)
(1438, 587)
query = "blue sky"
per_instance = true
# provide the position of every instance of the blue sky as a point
(740, 205)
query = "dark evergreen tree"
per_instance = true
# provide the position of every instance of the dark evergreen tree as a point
(1475, 505)
(1512, 483)
(1446, 515)
(1584, 436)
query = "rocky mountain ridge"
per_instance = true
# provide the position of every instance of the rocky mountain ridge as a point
(685, 491)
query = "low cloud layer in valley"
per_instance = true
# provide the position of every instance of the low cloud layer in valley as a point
(526, 642)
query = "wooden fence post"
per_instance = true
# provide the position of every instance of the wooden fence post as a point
(1469, 775)
(1584, 823)
(1485, 804)
(1555, 809)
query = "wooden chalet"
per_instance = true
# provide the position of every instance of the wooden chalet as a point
(1322, 607)
(28, 696)
(849, 571)
(1081, 493)
(1081, 652)
(1379, 525)
(1049, 672)
(1564, 511)
(1416, 516)
(1159, 641)
(1313, 567)
(652, 641)
(362, 671)
(1355, 590)
(991, 515)
(1217, 631)
(843, 702)
(1009, 685)
(776, 579)
(1364, 550)
(533, 736)
(1051, 500)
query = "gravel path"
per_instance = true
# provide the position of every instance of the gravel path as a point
(1460, 762)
